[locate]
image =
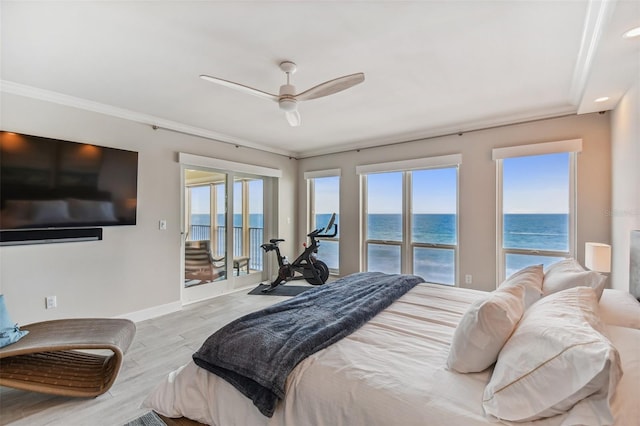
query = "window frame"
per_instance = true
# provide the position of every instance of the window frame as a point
(270, 177)
(310, 177)
(409, 226)
(406, 244)
(572, 147)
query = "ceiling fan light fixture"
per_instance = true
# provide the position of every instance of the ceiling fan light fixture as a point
(293, 117)
(288, 104)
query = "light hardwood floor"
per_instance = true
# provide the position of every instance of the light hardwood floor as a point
(161, 345)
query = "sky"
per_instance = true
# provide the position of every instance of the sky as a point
(533, 184)
(434, 191)
(200, 200)
(327, 196)
(536, 184)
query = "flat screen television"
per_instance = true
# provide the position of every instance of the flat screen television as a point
(54, 184)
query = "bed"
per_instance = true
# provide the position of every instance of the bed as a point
(396, 368)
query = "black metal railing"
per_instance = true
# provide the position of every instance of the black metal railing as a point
(256, 236)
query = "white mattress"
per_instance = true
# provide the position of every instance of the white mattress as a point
(392, 371)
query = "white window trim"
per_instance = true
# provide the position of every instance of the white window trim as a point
(322, 173)
(413, 164)
(225, 165)
(573, 147)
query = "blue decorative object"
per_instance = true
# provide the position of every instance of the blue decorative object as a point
(9, 331)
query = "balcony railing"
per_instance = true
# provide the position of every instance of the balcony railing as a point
(256, 236)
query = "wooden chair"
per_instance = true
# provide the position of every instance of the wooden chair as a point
(199, 264)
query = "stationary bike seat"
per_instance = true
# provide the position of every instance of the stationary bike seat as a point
(275, 240)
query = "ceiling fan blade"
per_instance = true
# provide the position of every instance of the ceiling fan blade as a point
(330, 87)
(241, 87)
(293, 117)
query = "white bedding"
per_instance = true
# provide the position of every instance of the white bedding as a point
(392, 371)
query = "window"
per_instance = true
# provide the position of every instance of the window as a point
(205, 221)
(324, 200)
(434, 224)
(384, 222)
(248, 221)
(536, 204)
(206, 218)
(410, 222)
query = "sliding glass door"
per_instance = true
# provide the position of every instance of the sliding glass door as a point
(248, 224)
(205, 246)
(219, 247)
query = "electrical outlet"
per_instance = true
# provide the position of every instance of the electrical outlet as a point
(468, 279)
(51, 302)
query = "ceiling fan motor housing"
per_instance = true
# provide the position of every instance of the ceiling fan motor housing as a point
(287, 99)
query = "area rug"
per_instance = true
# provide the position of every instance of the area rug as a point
(281, 290)
(149, 419)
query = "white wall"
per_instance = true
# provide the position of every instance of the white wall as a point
(134, 268)
(625, 207)
(477, 232)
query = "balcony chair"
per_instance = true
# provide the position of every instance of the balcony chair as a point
(200, 264)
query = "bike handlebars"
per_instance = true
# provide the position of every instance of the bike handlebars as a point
(317, 233)
(331, 224)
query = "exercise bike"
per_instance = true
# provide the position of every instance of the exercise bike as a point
(314, 271)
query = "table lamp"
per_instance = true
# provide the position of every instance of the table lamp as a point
(597, 257)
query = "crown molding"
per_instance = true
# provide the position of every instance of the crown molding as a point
(598, 15)
(137, 117)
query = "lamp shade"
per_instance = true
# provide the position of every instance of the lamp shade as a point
(597, 257)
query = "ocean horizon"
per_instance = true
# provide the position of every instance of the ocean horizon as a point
(542, 231)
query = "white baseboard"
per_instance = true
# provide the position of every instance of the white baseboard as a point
(176, 306)
(153, 312)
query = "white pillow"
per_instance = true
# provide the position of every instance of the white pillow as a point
(531, 278)
(569, 273)
(556, 360)
(484, 328)
(619, 308)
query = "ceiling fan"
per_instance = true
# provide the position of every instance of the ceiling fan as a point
(287, 97)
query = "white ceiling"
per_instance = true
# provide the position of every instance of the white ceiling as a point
(431, 67)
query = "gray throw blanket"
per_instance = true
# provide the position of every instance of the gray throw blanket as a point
(257, 352)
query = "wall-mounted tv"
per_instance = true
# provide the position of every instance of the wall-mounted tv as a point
(54, 184)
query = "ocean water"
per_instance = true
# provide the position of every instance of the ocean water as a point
(521, 231)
